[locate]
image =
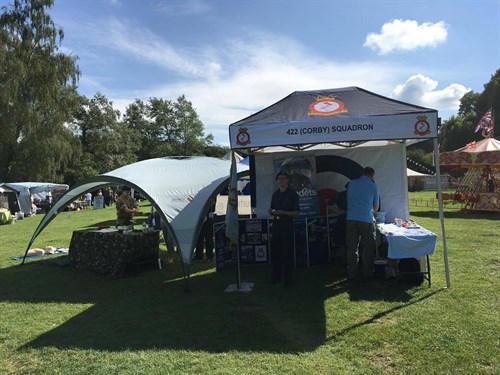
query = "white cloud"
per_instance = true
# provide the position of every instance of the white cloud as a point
(255, 75)
(406, 35)
(223, 101)
(143, 45)
(237, 78)
(421, 90)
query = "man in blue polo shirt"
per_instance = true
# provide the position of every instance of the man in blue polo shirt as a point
(363, 198)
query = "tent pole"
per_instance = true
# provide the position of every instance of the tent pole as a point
(186, 270)
(238, 281)
(26, 253)
(441, 214)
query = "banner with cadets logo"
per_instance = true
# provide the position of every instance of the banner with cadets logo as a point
(302, 172)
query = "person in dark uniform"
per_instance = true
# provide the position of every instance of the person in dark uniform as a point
(206, 238)
(126, 207)
(284, 208)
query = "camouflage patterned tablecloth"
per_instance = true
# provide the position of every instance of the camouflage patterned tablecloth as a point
(112, 252)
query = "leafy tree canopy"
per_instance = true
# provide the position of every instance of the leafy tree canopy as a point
(459, 130)
(168, 128)
(37, 92)
(107, 144)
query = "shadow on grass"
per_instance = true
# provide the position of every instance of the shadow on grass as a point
(151, 310)
(379, 315)
(379, 290)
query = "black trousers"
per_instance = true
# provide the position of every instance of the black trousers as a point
(205, 240)
(282, 257)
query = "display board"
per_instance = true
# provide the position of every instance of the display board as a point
(301, 244)
(254, 241)
(311, 241)
(253, 244)
(98, 202)
(317, 240)
(225, 256)
(302, 179)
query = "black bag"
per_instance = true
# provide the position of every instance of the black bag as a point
(409, 271)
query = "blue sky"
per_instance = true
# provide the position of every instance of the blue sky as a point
(231, 58)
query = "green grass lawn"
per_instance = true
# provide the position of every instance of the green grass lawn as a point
(55, 319)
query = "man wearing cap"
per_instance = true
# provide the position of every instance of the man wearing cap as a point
(126, 207)
(284, 208)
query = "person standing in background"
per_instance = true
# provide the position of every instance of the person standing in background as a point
(284, 207)
(363, 198)
(107, 197)
(206, 238)
(126, 207)
(88, 199)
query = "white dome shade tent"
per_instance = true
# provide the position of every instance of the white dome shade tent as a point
(179, 188)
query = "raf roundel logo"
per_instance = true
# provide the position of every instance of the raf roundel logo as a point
(326, 107)
(243, 138)
(422, 127)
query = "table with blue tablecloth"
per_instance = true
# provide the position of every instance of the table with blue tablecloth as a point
(410, 242)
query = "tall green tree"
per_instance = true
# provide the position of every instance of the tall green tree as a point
(107, 144)
(37, 94)
(137, 118)
(191, 138)
(468, 103)
(168, 128)
(490, 97)
(457, 132)
(216, 151)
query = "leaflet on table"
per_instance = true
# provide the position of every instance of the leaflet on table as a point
(104, 230)
(392, 229)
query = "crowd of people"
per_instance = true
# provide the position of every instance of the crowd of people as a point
(88, 200)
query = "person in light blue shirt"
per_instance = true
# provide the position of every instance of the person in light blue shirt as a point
(363, 198)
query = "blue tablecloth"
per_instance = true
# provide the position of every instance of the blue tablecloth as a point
(407, 243)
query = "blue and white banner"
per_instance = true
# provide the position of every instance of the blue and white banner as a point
(342, 129)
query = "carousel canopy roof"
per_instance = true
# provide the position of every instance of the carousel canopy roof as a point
(485, 153)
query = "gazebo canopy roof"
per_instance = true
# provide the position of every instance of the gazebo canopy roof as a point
(344, 116)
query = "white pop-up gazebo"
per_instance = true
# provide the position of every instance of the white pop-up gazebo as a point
(339, 130)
